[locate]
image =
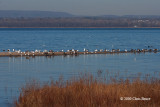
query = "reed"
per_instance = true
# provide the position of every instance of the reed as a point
(87, 91)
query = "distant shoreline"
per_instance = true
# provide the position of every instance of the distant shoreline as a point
(83, 27)
(80, 22)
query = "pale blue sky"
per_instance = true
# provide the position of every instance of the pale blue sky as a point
(87, 7)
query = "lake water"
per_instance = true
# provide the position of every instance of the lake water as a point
(15, 71)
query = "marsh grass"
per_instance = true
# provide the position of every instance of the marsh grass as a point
(87, 91)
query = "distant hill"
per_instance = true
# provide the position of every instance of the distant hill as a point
(130, 16)
(50, 19)
(52, 14)
(141, 16)
(109, 16)
(42, 14)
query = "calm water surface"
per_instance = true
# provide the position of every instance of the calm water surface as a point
(15, 71)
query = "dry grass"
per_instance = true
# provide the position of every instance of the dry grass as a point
(86, 91)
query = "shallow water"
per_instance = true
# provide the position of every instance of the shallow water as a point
(15, 71)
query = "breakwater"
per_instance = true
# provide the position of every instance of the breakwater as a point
(72, 52)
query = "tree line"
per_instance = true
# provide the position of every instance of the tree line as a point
(80, 22)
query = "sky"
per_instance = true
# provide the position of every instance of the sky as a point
(87, 7)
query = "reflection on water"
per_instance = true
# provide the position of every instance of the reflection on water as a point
(15, 71)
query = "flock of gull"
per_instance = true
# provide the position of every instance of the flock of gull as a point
(86, 50)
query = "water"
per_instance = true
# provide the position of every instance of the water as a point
(57, 39)
(15, 71)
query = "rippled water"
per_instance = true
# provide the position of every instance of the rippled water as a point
(15, 71)
(57, 39)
